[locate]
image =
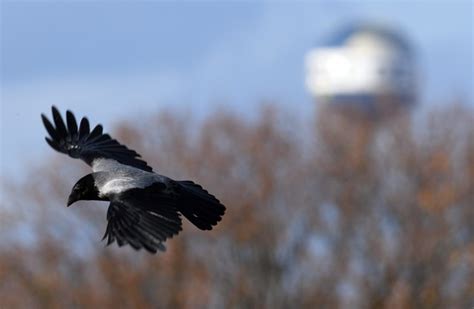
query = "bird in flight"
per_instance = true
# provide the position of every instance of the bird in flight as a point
(145, 207)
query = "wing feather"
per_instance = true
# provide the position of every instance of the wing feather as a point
(50, 128)
(52, 144)
(147, 217)
(96, 132)
(84, 129)
(140, 228)
(59, 123)
(71, 124)
(79, 142)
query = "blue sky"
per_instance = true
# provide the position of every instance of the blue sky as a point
(115, 61)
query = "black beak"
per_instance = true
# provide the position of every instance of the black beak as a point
(72, 199)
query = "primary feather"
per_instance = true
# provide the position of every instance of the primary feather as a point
(85, 144)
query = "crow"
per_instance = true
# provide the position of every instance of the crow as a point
(145, 207)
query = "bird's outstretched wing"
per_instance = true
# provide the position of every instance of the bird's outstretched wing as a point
(79, 142)
(141, 227)
(146, 217)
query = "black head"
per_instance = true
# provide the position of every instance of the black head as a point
(84, 189)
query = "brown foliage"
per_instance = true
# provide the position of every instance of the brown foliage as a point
(350, 213)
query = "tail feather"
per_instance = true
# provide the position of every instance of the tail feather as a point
(199, 206)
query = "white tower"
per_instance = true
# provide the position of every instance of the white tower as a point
(363, 65)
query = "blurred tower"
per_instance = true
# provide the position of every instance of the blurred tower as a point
(363, 68)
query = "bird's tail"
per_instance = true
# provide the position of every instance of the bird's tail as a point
(198, 206)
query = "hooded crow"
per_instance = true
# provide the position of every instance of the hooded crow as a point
(145, 207)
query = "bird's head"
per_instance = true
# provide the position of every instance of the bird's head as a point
(84, 189)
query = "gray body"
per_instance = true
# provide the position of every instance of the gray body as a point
(111, 177)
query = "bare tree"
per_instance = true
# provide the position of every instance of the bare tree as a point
(364, 213)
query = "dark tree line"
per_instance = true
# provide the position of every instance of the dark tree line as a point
(344, 211)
